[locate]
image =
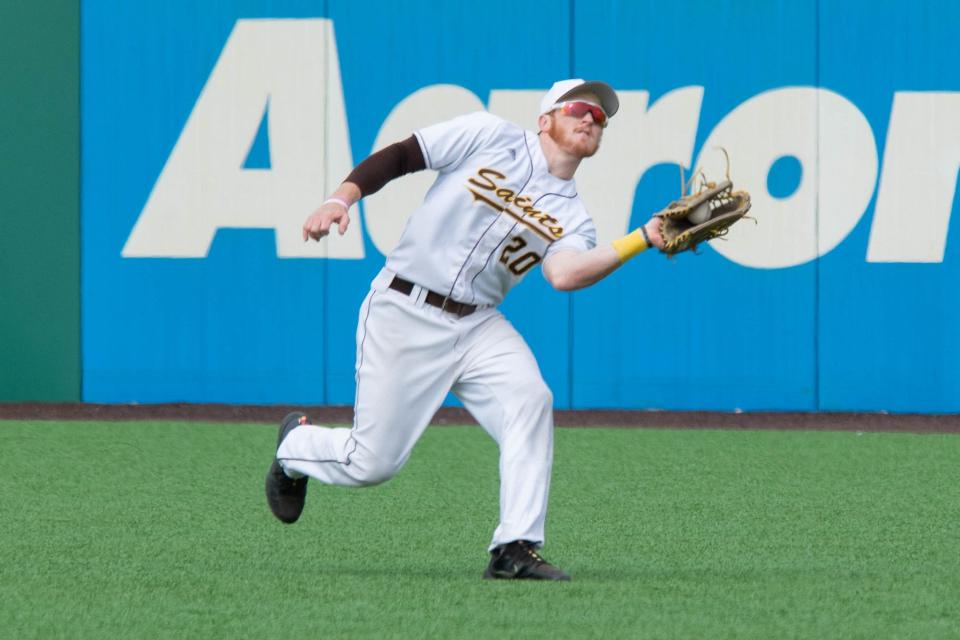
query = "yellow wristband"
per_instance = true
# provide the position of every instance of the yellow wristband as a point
(631, 244)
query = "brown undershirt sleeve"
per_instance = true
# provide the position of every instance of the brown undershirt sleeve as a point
(399, 159)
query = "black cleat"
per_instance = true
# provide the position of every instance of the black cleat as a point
(286, 495)
(519, 560)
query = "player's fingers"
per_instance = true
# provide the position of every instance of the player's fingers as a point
(310, 227)
(316, 231)
(344, 223)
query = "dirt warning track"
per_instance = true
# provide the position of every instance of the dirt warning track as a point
(872, 422)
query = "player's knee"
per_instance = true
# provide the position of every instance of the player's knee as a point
(535, 404)
(539, 396)
(372, 471)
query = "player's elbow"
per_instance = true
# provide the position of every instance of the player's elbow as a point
(561, 273)
(565, 284)
(564, 280)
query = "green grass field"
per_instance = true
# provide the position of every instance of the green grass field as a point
(160, 530)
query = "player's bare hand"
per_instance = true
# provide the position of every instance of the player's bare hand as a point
(653, 230)
(318, 224)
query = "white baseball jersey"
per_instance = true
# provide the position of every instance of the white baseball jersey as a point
(494, 212)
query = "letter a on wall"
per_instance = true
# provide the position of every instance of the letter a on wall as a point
(291, 69)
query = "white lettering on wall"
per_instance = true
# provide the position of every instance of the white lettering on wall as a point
(204, 187)
(835, 146)
(919, 178)
(290, 68)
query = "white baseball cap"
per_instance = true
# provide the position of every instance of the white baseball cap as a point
(562, 89)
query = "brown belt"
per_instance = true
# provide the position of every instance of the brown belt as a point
(434, 299)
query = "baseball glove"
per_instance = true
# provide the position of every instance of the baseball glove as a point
(707, 214)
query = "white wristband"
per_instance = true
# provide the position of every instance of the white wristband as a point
(340, 201)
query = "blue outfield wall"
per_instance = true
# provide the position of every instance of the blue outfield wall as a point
(210, 131)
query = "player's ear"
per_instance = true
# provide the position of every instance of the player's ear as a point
(545, 122)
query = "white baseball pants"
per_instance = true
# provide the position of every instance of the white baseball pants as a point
(409, 355)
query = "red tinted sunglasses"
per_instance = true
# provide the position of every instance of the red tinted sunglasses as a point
(578, 109)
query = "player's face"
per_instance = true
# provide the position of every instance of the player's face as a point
(579, 136)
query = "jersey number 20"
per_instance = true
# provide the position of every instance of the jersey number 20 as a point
(518, 266)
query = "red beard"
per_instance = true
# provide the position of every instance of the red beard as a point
(574, 143)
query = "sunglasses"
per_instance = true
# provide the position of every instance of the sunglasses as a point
(578, 109)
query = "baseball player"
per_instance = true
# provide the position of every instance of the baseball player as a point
(504, 201)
